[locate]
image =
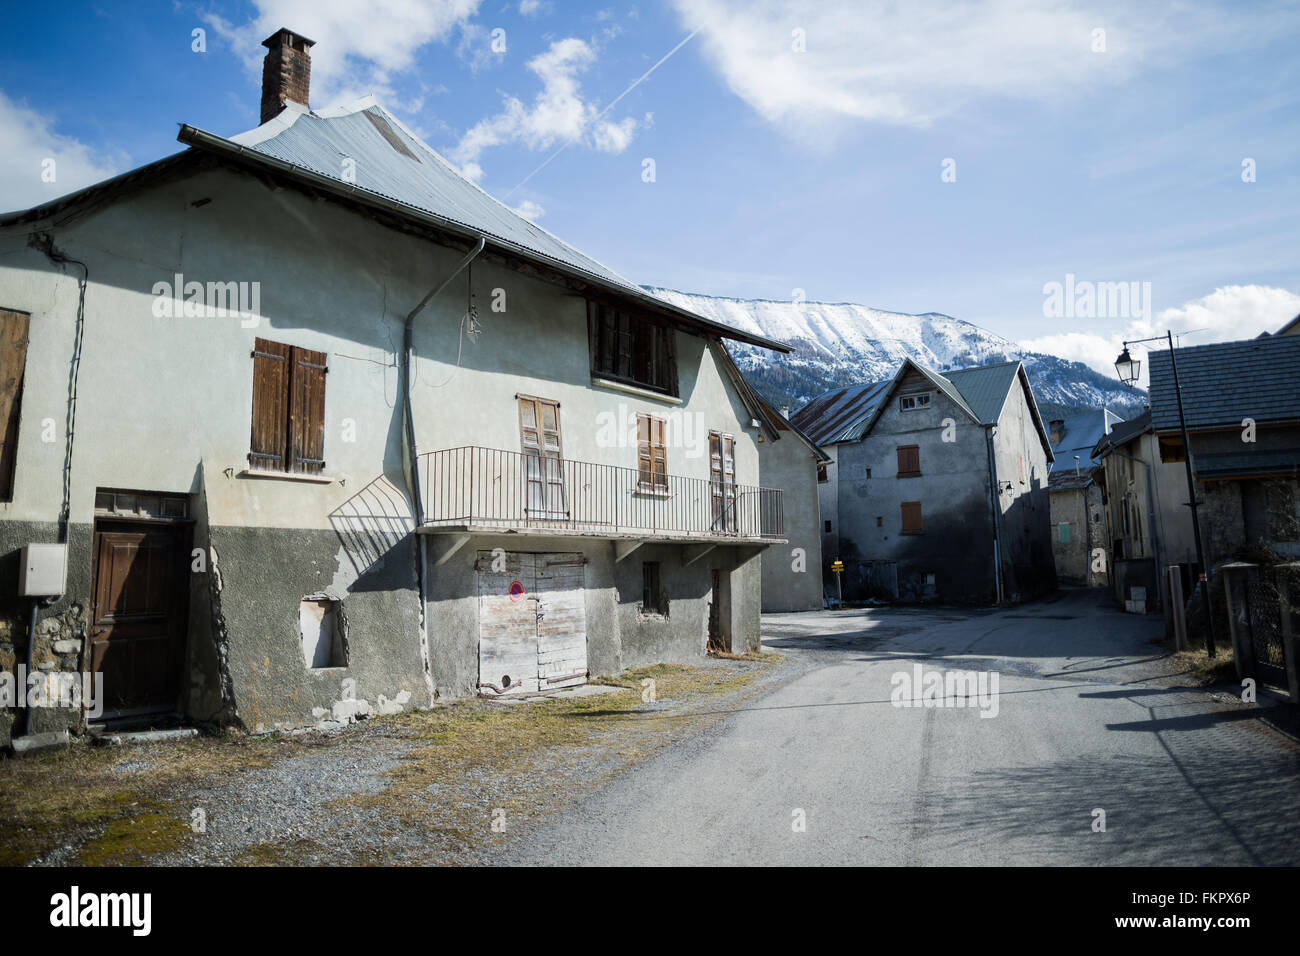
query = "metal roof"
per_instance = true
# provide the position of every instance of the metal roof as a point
(1227, 382)
(985, 388)
(1069, 480)
(1080, 435)
(839, 415)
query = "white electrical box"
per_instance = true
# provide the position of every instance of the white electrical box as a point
(44, 570)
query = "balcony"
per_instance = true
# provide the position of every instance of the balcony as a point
(474, 489)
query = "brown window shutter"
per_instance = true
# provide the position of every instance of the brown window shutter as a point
(13, 360)
(644, 457)
(909, 460)
(911, 512)
(659, 448)
(270, 406)
(307, 411)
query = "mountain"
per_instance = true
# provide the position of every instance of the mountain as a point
(841, 343)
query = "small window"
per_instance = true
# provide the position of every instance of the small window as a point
(1171, 448)
(652, 595)
(636, 349)
(828, 527)
(910, 403)
(911, 512)
(320, 621)
(821, 473)
(1063, 532)
(13, 362)
(880, 521)
(867, 473)
(288, 409)
(909, 461)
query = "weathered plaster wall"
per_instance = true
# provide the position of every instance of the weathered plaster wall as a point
(1020, 460)
(793, 582)
(955, 544)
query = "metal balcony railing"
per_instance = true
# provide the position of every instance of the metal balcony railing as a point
(475, 487)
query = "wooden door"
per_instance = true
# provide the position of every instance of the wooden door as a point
(532, 622)
(562, 620)
(138, 619)
(539, 439)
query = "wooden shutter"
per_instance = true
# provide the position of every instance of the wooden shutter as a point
(270, 406)
(652, 451)
(911, 517)
(13, 360)
(539, 439)
(644, 454)
(909, 460)
(307, 411)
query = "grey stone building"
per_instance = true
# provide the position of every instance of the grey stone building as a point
(318, 428)
(940, 486)
(1079, 538)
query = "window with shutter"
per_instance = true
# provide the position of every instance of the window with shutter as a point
(13, 360)
(722, 480)
(651, 452)
(539, 439)
(909, 461)
(632, 348)
(288, 433)
(911, 512)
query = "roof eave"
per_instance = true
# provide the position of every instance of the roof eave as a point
(210, 142)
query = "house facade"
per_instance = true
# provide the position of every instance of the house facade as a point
(941, 488)
(325, 431)
(1077, 505)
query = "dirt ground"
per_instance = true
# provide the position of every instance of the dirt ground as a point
(448, 785)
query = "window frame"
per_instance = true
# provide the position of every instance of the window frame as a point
(651, 455)
(295, 418)
(919, 400)
(632, 348)
(654, 602)
(15, 336)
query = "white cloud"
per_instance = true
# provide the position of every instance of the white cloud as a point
(558, 114)
(531, 8)
(29, 144)
(910, 63)
(1228, 313)
(357, 50)
(530, 210)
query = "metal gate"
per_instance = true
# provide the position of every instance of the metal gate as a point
(1261, 617)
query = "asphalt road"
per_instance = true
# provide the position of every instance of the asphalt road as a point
(1084, 720)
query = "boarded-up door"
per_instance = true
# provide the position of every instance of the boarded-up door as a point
(138, 620)
(532, 622)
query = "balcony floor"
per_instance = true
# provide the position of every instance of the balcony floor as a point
(544, 531)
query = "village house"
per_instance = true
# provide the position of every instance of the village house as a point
(940, 488)
(792, 575)
(318, 429)
(1078, 512)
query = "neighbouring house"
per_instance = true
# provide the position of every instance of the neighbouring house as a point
(940, 492)
(1148, 523)
(833, 417)
(318, 428)
(794, 465)
(1291, 328)
(1077, 508)
(1242, 412)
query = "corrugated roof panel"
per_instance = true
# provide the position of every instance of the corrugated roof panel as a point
(834, 416)
(985, 388)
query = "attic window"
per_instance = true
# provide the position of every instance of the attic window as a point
(387, 132)
(910, 403)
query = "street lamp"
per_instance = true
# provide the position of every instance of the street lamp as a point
(1128, 367)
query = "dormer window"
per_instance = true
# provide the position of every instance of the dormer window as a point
(910, 403)
(632, 349)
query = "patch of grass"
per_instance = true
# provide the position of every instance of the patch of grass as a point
(770, 657)
(132, 840)
(75, 794)
(1198, 666)
(484, 757)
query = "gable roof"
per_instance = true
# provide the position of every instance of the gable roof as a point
(1081, 433)
(1226, 382)
(985, 388)
(395, 171)
(1121, 434)
(839, 415)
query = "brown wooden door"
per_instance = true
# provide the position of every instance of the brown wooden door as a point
(137, 627)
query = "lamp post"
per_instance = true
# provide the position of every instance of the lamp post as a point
(1128, 369)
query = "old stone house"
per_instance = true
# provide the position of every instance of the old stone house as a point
(940, 487)
(319, 428)
(1077, 506)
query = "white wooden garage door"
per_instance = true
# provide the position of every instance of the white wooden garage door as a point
(532, 621)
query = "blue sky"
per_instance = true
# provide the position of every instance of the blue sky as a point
(796, 146)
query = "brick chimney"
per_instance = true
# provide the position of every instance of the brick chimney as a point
(286, 71)
(1057, 430)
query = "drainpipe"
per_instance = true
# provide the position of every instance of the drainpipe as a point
(997, 511)
(412, 461)
(1151, 507)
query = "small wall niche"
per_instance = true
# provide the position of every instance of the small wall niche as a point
(320, 621)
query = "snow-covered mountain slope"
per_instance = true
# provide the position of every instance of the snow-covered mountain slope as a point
(840, 343)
